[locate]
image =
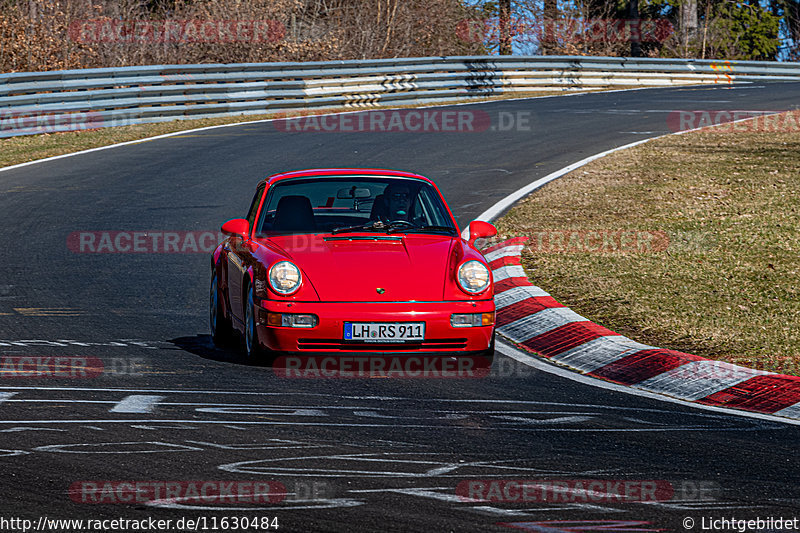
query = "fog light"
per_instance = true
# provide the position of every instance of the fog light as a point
(299, 321)
(465, 320)
(288, 320)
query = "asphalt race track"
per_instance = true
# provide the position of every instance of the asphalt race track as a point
(352, 454)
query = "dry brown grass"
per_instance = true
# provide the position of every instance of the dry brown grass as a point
(728, 285)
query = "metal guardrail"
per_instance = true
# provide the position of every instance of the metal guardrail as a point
(43, 102)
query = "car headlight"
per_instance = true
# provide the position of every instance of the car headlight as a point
(284, 277)
(473, 276)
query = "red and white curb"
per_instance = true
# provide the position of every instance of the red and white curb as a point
(533, 320)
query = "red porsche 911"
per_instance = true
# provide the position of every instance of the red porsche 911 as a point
(351, 260)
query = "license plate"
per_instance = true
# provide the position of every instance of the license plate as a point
(384, 331)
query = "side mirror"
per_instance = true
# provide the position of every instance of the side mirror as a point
(238, 227)
(478, 229)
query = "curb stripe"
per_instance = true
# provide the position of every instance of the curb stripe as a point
(510, 271)
(790, 412)
(514, 241)
(566, 337)
(519, 354)
(539, 323)
(504, 261)
(524, 308)
(600, 352)
(766, 394)
(643, 365)
(698, 379)
(511, 283)
(505, 251)
(529, 316)
(518, 294)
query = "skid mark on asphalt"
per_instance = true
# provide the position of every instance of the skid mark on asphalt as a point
(391, 465)
(101, 407)
(344, 478)
(272, 444)
(49, 311)
(20, 429)
(61, 343)
(436, 494)
(177, 503)
(559, 420)
(447, 495)
(118, 448)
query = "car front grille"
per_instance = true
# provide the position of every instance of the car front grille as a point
(355, 346)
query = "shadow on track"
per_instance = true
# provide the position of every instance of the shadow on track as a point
(202, 346)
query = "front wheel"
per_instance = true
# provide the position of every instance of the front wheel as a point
(252, 348)
(221, 330)
(488, 353)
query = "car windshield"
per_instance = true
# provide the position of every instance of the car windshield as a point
(354, 204)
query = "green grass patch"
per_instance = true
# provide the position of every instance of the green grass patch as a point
(726, 287)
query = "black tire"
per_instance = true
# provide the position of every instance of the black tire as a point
(252, 349)
(488, 353)
(221, 330)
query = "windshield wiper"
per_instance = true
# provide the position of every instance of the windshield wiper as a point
(377, 225)
(425, 229)
(371, 226)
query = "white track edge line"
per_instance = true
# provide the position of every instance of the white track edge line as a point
(488, 215)
(259, 121)
(498, 208)
(544, 366)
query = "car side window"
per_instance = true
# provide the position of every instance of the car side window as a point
(251, 213)
(430, 209)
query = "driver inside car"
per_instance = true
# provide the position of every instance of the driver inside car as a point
(398, 198)
(395, 203)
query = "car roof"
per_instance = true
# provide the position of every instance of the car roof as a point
(342, 172)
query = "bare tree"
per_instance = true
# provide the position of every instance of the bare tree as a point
(550, 20)
(57, 34)
(633, 15)
(688, 11)
(505, 27)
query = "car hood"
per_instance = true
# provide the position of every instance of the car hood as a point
(353, 268)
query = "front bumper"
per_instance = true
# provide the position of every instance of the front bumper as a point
(328, 335)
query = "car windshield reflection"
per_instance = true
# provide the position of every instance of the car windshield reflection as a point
(350, 205)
